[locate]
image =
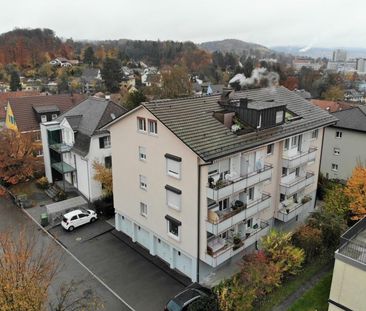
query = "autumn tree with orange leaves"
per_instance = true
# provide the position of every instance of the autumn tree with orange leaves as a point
(18, 161)
(104, 176)
(355, 190)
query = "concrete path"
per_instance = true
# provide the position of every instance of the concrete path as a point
(290, 300)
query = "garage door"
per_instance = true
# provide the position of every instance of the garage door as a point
(126, 225)
(142, 237)
(162, 249)
(183, 263)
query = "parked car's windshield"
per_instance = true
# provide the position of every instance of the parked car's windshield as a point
(173, 306)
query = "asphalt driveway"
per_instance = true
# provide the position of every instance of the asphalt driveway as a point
(143, 282)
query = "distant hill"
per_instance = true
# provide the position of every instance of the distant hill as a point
(234, 45)
(316, 52)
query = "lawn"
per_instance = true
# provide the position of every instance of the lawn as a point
(290, 286)
(316, 298)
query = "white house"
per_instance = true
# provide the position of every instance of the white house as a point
(75, 140)
(204, 178)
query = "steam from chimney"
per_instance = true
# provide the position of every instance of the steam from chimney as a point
(258, 75)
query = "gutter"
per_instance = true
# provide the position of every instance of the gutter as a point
(199, 219)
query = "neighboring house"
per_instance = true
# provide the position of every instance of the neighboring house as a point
(4, 97)
(353, 96)
(151, 76)
(90, 78)
(349, 275)
(202, 179)
(331, 106)
(61, 61)
(24, 114)
(344, 143)
(74, 140)
(299, 63)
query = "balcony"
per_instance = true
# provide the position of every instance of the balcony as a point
(60, 147)
(297, 184)
(219, 250)
(290, 211)
(63, 167)
(225, 188)
(299, 159)
(220, 221)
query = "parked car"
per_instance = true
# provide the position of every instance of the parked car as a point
(77, 218)
(191, 294)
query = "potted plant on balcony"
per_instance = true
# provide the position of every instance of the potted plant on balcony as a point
(237, 242)
(237, 204)
(305, 199)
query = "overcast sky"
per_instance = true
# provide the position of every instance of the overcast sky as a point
(325, 23)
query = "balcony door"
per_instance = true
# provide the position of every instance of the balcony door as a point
(235, 166)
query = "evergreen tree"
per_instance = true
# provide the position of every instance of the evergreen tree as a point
(112, 74)
(15, 81)
(89, 56)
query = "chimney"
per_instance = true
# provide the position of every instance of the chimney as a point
(244, 102)
(225, 95)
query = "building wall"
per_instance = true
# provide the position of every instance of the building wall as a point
(127, 168)
(348, 286)
(351, 147)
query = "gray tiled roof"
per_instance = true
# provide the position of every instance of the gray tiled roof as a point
(191, 120)
(352, 119)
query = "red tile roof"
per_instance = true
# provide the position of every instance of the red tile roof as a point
(331, 106)
(4, 96)
(25, 116)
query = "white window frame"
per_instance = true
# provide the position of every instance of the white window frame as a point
(54, 116)
(294, 141)
(315, 134)
(279, 116)
(339, 134)
(143, 182)
(271, 146)
(152, 127)
(141, 129)
(169, 169)
(334, 167)
(336, 151)
(107, 142)
(143, 209)
(170, 234)
(249, 193)
(178, 198)
(43, 118)
(142, 153)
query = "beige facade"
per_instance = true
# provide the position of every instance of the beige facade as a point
(252, 180)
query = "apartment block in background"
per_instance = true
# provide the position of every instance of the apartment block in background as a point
(200, 180)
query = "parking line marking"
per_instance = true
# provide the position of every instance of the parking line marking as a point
(84, 266)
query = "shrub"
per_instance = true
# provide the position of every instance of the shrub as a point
(104, 207)
(336, 201)
(43, 183)
(309, 239)
(61, 195)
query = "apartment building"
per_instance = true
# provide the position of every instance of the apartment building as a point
(202, 179)
(75, 140)
(349, 275)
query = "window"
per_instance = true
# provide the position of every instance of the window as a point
(284, 171)
(173, 197)
(173, 227)
(314, 134)
(279, 116)
(141, 124)
(43, 118)
(143, 209)
(250, 223)
(270, 149)
(297, 172)
(104, 142)
(143, 182)
(294, 141)
(282, 197)
(153, 127)
(336, 151)
(287, 143)
(338, 134)
(334, 167)
(142, 153)
(54, 116)
(251, 193)
(108, 162)
(74, 217)
(173, 165)
(223, 204)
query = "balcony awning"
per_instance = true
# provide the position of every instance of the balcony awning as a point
(63, 167)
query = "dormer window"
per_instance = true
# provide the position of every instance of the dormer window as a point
(279, 117)
(54, 116)
(43, 118)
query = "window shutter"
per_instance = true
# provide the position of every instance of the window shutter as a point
(173, 199)
(101, 142)
(173, 167)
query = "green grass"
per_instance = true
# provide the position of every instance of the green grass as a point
(289, 286)
(315, 298)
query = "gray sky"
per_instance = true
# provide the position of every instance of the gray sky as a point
(325, 23)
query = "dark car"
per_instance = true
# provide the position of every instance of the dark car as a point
(191, 294)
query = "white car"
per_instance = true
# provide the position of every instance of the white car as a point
(78, 218)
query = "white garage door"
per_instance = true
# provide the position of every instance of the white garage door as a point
(162, 249)
(183, 263)
(142, 237)
(126, 225)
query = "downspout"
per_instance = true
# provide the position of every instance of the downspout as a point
(320, 164)
(199, 219)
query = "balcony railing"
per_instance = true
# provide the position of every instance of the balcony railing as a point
(297, 184)
(299, 159)
(220, 221)
(226, 188)
(63, 167)
(289, 212)
(60, 147)
(219, 250)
